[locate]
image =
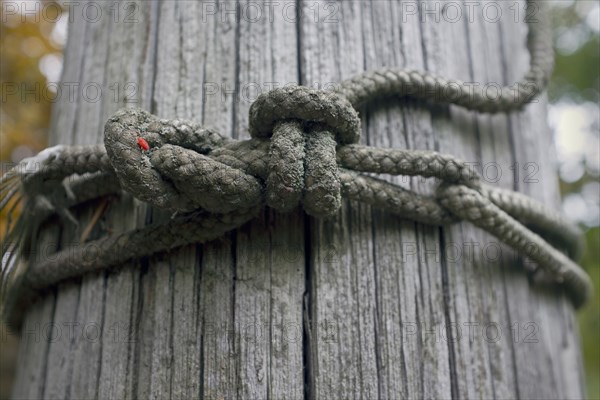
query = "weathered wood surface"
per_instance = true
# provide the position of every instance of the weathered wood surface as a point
(362, 306)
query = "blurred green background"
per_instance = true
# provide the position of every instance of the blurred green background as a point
(31, 50)
(574, 117)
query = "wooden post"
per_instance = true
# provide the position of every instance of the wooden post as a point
(362, 306)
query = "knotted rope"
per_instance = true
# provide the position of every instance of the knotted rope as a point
(303, 151)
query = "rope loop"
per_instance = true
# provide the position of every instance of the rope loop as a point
(305, 104)
(303, 167)
(472, 205)
(304, 125)
(175, 174)
(184, 176)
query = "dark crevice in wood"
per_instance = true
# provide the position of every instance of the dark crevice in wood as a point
(367, 127)
(420, 242)
(235, 109)
(137, 314)
(505, 69)
(377, 316)
(101, 338)
(100, 109)
(54, 294)
(236, 93)
(299, 52)
(237, 348)
(512, 338)
(446, 295)
(156, 6)
(376, 289)
(419, 298)
(172, 272)
(401, 283)
(350, 213)
(511, 141)
(232, 331)
(423, 40)
(197, 296)
(490, 365)
(147, 53)
(422, 232)
(308, 372)
(69, 377)
(133, 333)
(363, 40)
(182, 67)
(73, 136)
(479, 154)
(420, 347)
(173, 268)
(268, 225)
(473, 116)
(203, 112)
(307, 344)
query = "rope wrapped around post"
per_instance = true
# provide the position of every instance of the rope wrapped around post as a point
(303, 151)
(216, 184)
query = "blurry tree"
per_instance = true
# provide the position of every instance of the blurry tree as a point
(574, 95)
(31, 57)
(31, 48)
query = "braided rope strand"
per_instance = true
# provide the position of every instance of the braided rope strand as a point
(371, 85)
(472, 206)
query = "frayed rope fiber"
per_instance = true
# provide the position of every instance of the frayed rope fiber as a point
(303, 151)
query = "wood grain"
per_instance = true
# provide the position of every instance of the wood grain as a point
(363, 305)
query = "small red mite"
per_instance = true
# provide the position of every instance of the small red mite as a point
(143, 144)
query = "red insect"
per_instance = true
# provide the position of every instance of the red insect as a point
(143, 144)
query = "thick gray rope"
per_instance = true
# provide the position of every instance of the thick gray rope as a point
(303, 151)
(227, 182)
(370, 85)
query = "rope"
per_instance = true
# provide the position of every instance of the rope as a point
(303, 151)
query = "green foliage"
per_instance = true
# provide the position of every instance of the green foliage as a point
(576, 79)
(578, 74)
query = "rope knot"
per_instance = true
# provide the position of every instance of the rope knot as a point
(304, 126)
(182, 166)
(177, 174)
